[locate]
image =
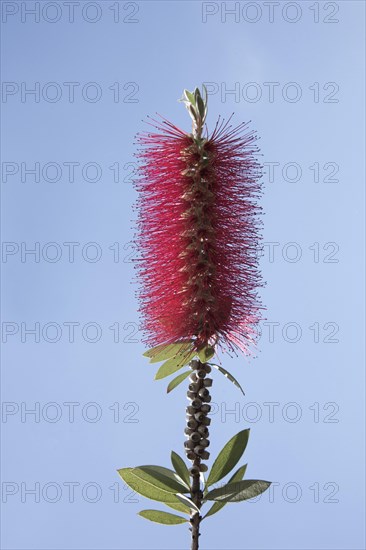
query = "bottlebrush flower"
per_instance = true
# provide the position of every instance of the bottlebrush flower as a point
(198, 232)
(198, 237)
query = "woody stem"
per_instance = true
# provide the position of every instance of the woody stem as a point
(197, 438)
(195, 516)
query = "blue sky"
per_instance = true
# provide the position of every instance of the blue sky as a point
(296, 70)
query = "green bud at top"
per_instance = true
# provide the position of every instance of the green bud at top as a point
(197, 108)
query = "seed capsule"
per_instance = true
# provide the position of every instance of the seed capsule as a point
(207, 399)
(191, 394)
(193, 377)
(206, 408)
(203, 430)
(204, 443)
(201, 373)
(207, 382)
(203, 468)
(195, 437)
(190, 454)
(194, 364)
(192, 423)
(188, 431)
(196, 403)
(193, 387)
(199, 450)
(194, 471)
(205, 421)
(204, 392)
(205, 455)
(200, 417)
(190, 410)
(189, 444)
(207, 368)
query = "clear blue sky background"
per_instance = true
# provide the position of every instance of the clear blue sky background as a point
(310, 369)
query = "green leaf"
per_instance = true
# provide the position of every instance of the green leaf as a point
(189, 96)
(161, 477)
(180, 467)
(165, 351)
(174, 364)
(200, 106)
(145, 488)
(179, 506)
(193, 113)
(228, 457)
(238, 476)
(206, 354)
(228, 376)
(187, 501)
(238, 491)
(177, 380)
(162, 517)
(205, 95)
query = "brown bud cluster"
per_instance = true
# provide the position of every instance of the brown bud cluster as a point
(196, 430)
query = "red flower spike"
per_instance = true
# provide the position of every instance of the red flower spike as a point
(199, 234)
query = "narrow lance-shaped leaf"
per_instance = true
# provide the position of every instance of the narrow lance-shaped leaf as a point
(228, 457)
(180, 467)
(192, 113)
(145, 488)
(217, 506)
(239, 490)
(228, 376)
(189, 97)
(174, 364)
(200, 106)
(162, 517)
(177, 380)
(180, 506)
(205, 96)
(166, 351)
(188, 502)
(161, 477)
